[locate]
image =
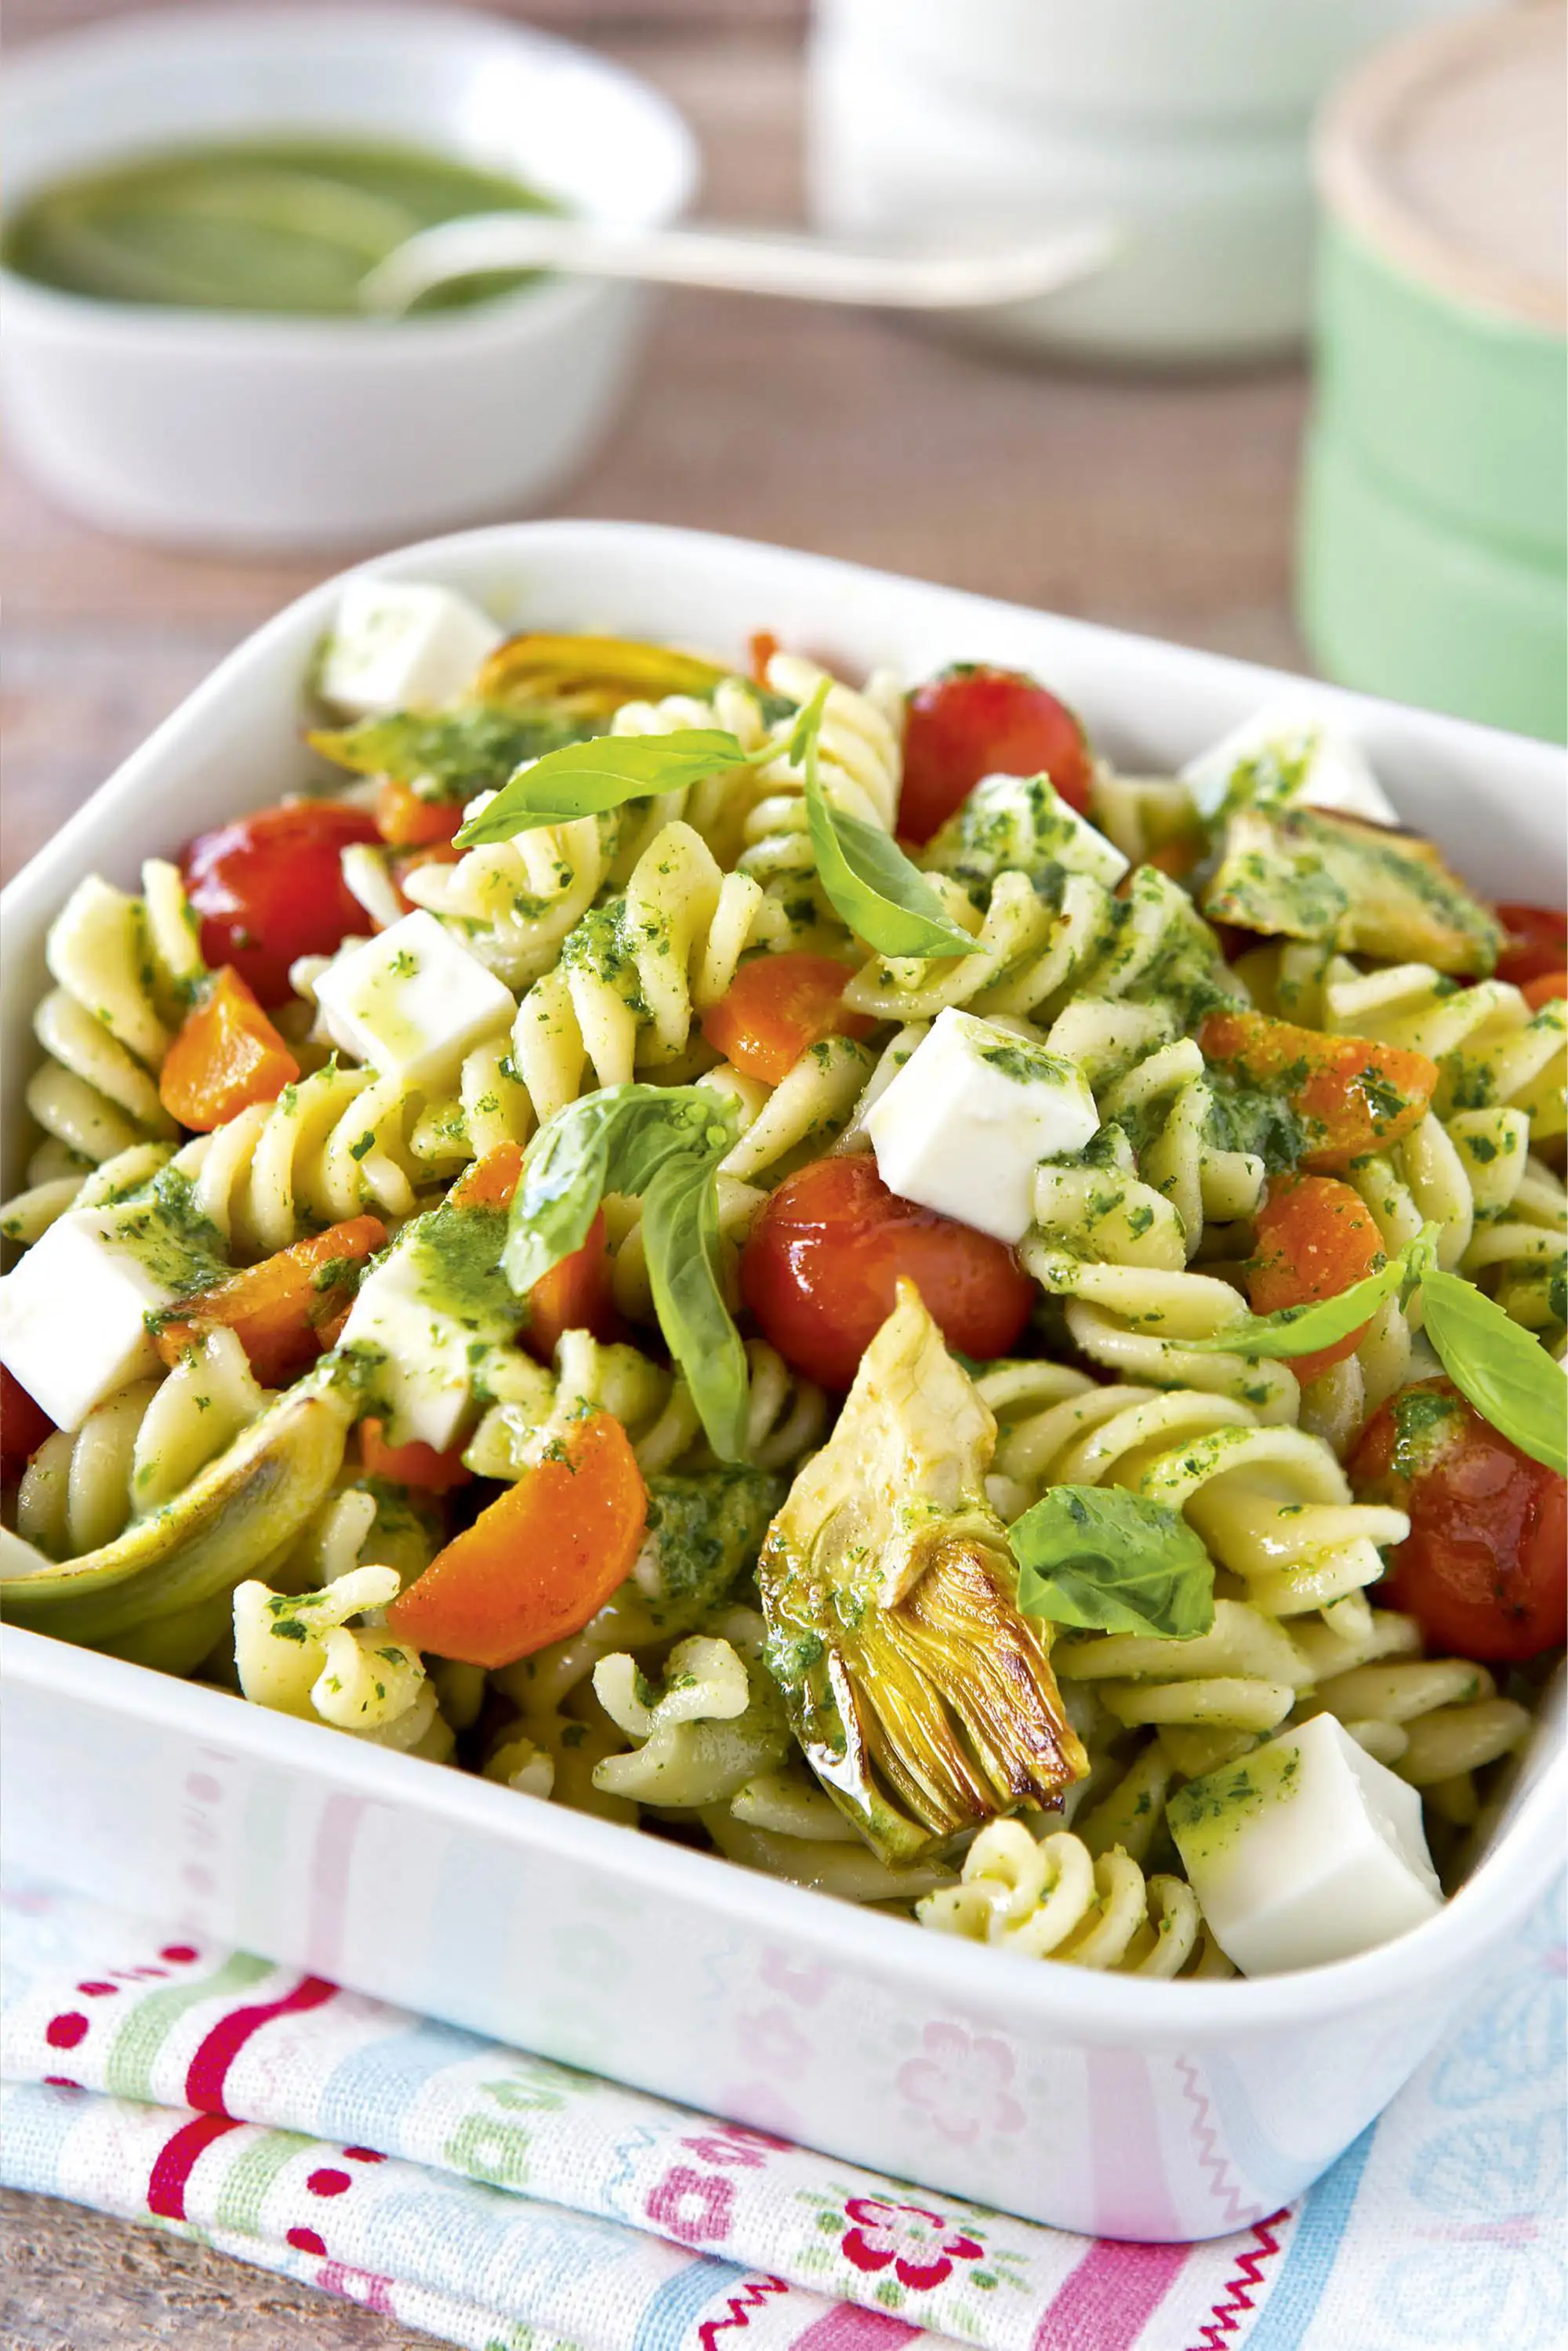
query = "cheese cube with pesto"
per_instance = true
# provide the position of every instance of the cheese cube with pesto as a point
(425, 1317)
(969, 1117)
(411, 1002)
(1288, 754)
(402, 644)
(73, 1314)
(1305, 1851)
(1021, 824)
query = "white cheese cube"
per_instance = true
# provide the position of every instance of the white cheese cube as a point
(1305, 1850)
(1023, 821)
(411, 1002)
(1301, 759)
(424, 1386)
(73, 1314)
(969, 1116)
(401, 644)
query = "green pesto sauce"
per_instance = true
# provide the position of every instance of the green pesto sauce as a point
(1028, 1064)
(1424, 1420)
(707, 1529)
(1244, 1117)
(447, 754)
(276, 226)
(169, 1237)
(456, 1255)
(1206, 1814)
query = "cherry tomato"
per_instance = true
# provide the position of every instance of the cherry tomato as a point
(406, 820)
(270, 886)
(1546, 988)
(775, 1006)
(1314, 1237)
(574, 1295)
(1352, 1094)
(974, 721)
(761, 646)
(1537, 942)
(411, 1465)
(226, 1055)
(24, 1424)
(1482, 1570)
(823, 1262)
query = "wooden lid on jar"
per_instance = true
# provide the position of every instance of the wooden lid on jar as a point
(1449, 152)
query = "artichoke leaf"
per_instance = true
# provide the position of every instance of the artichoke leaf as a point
(923, 1698)
(157, 1593)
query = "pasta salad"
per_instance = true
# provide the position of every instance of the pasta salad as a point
(807, 1267)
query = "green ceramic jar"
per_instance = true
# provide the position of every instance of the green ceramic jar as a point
(1434, 557)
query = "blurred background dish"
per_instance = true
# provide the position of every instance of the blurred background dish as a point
(1185, 120)
(213, 428)
(1435, 526)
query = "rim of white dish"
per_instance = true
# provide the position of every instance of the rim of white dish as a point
(537, 307)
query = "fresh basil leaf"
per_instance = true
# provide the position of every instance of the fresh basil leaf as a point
(661, 1144)
(874, 889)
(452, 753)
(680, 1236)
(586, 778)
(1106, 1560)
(1302, 1330)
(1507, 1374)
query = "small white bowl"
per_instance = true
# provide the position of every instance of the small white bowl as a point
(215, 429)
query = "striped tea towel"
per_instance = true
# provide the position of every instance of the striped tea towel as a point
(508, 2204)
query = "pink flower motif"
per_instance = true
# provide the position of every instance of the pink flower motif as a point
(804, 1984)
(922, 2246)
(961, 2083)
(734, 2142)
(692, 2209)
(771, 2039)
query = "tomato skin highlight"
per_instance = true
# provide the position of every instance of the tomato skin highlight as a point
(1483, 1570)
(24, 1424)
(1315, 1237)
(281, 1317)
(225, 1056)
(406, 820)
(540, 1561)
(411, 1465)
(776, 1006)
(977, 721)
(1536, 943)
(822, 1265)
(270, 887)
(1354, 1094)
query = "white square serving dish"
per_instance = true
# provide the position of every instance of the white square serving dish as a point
(1163, 2111)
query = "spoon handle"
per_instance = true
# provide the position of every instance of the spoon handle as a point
(736, 261)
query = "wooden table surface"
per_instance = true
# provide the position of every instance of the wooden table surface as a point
(1160, 506)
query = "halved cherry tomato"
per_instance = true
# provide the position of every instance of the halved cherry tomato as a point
(1544, 988)
(761, 646)
(537, 1563)
(491, 1181)
(976, 721)
(575, 1295)
(270, 887)
(775, 1006)
(1352, 1094)
(411, 1465)
(822, 1266)
(226, 1055)
(1314, 1237)
(406, 820)
(1536, 942)
(280, 1309)
(1482, 1570)
(24, 1424)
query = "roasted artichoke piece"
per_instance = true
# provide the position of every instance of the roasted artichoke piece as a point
(160, 1592)
(923, 1700)
(588, 678)
(1363, 888)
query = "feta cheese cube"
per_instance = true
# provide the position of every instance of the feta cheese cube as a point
(1305, 1850)
(1299, 756)
(401, 644)
(73, 1314)
(969, 1116)
(425, 1385)
(1022, 823)
(411, 1002)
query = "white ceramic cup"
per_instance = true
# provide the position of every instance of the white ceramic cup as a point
(219, 430)
(1186, 122)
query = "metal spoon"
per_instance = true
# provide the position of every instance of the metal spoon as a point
(738, 261)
